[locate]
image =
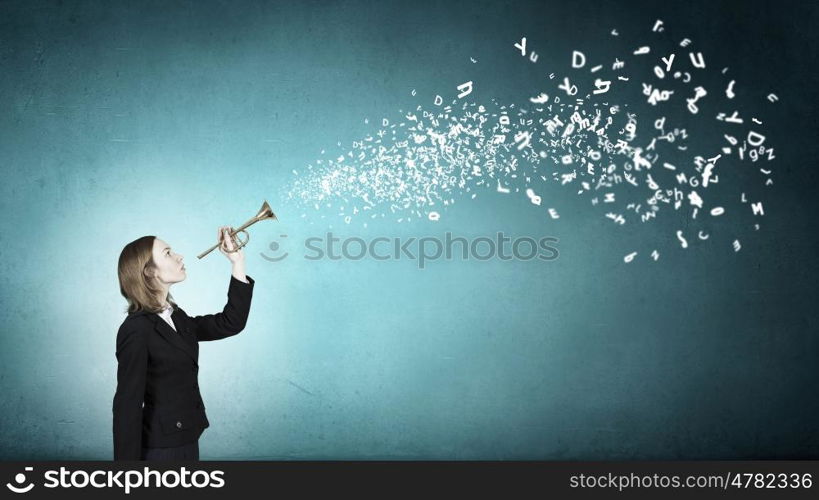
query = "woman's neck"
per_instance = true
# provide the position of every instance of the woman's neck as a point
(163, 294)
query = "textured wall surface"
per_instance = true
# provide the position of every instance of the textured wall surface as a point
(172, 118)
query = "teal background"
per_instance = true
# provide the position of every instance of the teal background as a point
(171, 118)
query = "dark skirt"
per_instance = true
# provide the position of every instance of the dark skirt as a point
(188, 451)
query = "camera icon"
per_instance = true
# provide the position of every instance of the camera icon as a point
(20, 478)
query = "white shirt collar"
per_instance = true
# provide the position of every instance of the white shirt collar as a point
(165, 314)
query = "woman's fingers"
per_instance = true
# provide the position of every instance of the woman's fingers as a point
(227, 244)
(222, 238)
(230, 246)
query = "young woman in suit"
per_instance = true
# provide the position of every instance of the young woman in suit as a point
(158, 410)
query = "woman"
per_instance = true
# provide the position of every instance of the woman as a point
(158, 410)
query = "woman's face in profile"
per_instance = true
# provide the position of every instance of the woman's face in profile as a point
(169, 266)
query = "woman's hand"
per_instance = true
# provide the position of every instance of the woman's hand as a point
(226, 245)
(236, 258)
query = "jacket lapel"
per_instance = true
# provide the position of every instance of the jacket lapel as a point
(176, 338)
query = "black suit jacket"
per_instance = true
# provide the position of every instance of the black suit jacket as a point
(157, 403)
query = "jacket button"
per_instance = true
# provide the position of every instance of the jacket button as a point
(179, 425)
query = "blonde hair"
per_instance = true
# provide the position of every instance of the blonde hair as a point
(135, 284)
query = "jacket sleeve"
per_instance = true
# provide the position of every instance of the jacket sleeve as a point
(132, 357)
(233, 317)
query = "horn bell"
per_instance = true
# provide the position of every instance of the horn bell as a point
(265, 212)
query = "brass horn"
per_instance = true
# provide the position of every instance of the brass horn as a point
(264, 213)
